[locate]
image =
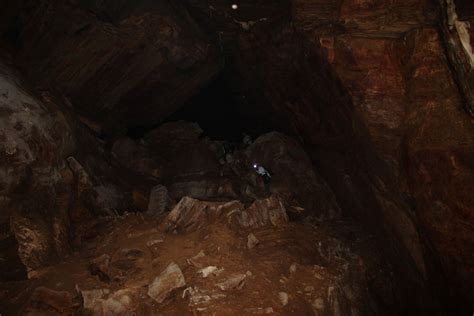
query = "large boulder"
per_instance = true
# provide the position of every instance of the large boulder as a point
(293, 176)
(177, 146)
(35, 181)
(191, 214)
(265, 212)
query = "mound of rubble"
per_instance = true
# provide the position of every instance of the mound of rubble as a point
(211, 257)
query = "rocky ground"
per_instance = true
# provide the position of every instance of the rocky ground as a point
(204, 236)
(210, 258)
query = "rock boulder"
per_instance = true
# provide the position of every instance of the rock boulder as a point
(166, 283)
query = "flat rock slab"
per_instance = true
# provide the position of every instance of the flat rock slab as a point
(236, 281)
(170, 279)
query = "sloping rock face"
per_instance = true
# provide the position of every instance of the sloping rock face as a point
(440, 152)
(35, 181)
(392, 61)
(122, 64)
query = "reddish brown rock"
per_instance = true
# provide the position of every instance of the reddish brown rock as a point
(55, 301)
(261, 213)
(440, 150)
(188, 214)
(396, 70)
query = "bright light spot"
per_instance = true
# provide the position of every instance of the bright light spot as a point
(235, 7)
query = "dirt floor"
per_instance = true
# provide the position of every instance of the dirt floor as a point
(304, 267)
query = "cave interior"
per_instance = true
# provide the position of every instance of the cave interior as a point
(290, 157)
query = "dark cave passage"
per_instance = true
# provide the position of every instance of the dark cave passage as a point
(216, 109)
(223, 110)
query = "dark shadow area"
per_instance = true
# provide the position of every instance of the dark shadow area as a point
(222, 110)
(215, 109)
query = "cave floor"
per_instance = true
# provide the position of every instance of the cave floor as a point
(322, 266)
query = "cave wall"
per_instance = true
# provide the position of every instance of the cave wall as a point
(313, 106)
(411, 81)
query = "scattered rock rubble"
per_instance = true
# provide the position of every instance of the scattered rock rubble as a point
(167, 282)
(201, 252)
(191, 214)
